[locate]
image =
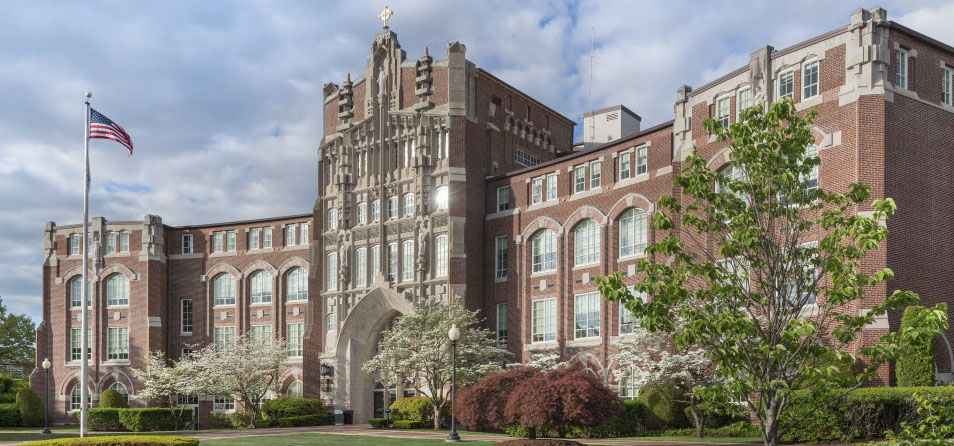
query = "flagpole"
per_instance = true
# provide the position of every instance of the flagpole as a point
(84, 376)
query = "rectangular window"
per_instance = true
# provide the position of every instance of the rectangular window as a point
(440, 256)
(393, 207)
(628, 322)
(223, 403)
(947, 79)
(267, 237)
(642, 160)
(551, 186)
(74, 244)
(260, 334)
(536, 190)
(76, 344)
(332, 218)
(254, 240)
(331, 270)
(296, 335)
(503, 198)
(375, 260)
(742, 102)
(596, 168)
(586, 310)
(110, 242)
(376, 210)
(786, 85)
(502, 325)
(230, 240)
(392, 261)
(579, 179)
(800, 291)
(117, 343)
(407, 260)
(408, 205)
(218, 241)
(305, 230)
(901, 73)
(291, 235)
(810, 80)
(223, 337)
(362, 213)
(500, 257)
(188, 246)
(186, 316)
(544, 320)
(624, 165)
(123, 241)
(525, 158)
(361, 267)
(723, 107)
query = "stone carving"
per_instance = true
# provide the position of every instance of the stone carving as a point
(439, 220)
(422, 246)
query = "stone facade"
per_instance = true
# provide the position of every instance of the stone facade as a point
(436, 179)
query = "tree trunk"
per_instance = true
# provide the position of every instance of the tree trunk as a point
(697, 418)
(770, 427)
(532, 433)
(437, 417)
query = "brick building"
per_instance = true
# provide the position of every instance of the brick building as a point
(438, 180)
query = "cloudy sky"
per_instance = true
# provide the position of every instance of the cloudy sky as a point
(223, 98)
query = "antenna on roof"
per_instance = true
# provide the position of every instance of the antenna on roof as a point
(589, 97)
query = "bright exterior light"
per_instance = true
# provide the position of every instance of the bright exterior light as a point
(46, 363)
(453, 333)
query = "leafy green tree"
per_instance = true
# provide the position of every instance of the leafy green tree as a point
(915, 364)
(762, 266)
(17, 338)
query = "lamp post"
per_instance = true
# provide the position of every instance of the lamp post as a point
(46, 397)
(454, 335)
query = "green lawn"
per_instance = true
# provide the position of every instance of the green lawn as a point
(748, 440)
(312, 439)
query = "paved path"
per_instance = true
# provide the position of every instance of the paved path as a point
(366, 430)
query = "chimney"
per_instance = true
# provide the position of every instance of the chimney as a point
(607, 125)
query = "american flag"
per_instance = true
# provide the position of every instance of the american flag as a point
(104, 128)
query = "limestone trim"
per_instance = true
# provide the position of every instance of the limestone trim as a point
(118, 268)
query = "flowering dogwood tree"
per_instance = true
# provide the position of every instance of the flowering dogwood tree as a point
(651, 357)
(543, 362)
(165, 380)
(416, 351)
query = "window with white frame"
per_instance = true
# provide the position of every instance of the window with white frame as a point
(407, 260)
(76, 398)
(624, 162)
(551, 186)
(800, 291)
(642, 160)
(812, 151)
(632, 232)
(230, 241)
(76, 290)
(526, 159)
(503, 198)
(291, 235)
(375, 260)
(732, 174)
(947, 81)
(74, 244)
(786, 85)
(333, 218)
(743, 101)
(579, 178)
(500, 257)
(120, 388)
(392, 261)
(376, 210)
(440, 256)
(544, 255)
(331, 322)
(117, 343)
(586, 238)
(536, 190)
(117, 290)
(735, 272)
(254, 238)
(223, 403)
(296, 284)
(218, 241)
(543, 320)
(586, 314)
(362, 213)
(123, 241)
(223, 338)
(76, 344)
(296, 336)
(627, 385)
(294, 390)
(361, 267)
(305, 233)
(502, 325)
(261, 287)
(110, 242)
(393, 211)
(901, 69)
(408, 204)
(442, 198)
(223, 288)
(267, 237)
(188, 244)
(627, 321)
(810, 80)
(260, 334)
(723, 108)
(596, 168)
(185, 316)
(331, 271)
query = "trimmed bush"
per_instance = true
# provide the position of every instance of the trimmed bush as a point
(220, 421)
(738, 429)
(285, 407)
(627, 423)
(915, 364)
(664, 406)
(378, 423)
(409, 424)
(104, 419)
(111, 399)
(9, 415)
(30, 407)
(118, 440)
(543, 442)
(151, 419)
(9, 387)
(413, 408)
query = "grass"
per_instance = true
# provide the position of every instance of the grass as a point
(311, 439)
(747, 440)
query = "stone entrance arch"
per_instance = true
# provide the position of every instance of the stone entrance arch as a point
(356, 344)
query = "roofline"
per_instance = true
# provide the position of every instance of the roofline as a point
(922, 37)
(108, 222)
(541, 104)
(575, 155)
(610, 108)
(240, 222)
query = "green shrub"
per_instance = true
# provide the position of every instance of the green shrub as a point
(409, 424)
(738, 429)
(915, 364)
(111, 399)
(378, 423)
(9, 415)
(152, 419)
(241, 420)
(118, 440)
(414, 408)
(305, 420)
(9, 387)
(626, 424)
(285, 407)
(664, 406)
(520, 431)
(220, 421)
(104, 419)
(30, 407)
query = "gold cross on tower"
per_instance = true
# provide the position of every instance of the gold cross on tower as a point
(385, 15)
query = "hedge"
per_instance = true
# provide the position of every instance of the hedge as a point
(915, 364)
(151, 419)
(411, 424)
(31, 408)
(627, 423)
(378, 423)
(737, 429)
(664, 409)
(286, 407)
(105, 419)
(118, 440)
(419, 409)
(111, 399)
(9, 415)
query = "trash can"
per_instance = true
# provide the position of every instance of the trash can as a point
(339, 417)
(348, 417)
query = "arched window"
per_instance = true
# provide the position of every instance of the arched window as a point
(296, 282)
(224, 289)
(261, 287)
(408, 204)
(544, 251)
(361, 267)
(76, 398)
(587, 243)
(362, 213)
(76, 290)
(121, 388)
(117, 290)
(440, 256)
(632, 232)
(294, 390)
(441, 198)
(407, 260)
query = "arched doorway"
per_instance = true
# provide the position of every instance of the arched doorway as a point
(383, 397)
